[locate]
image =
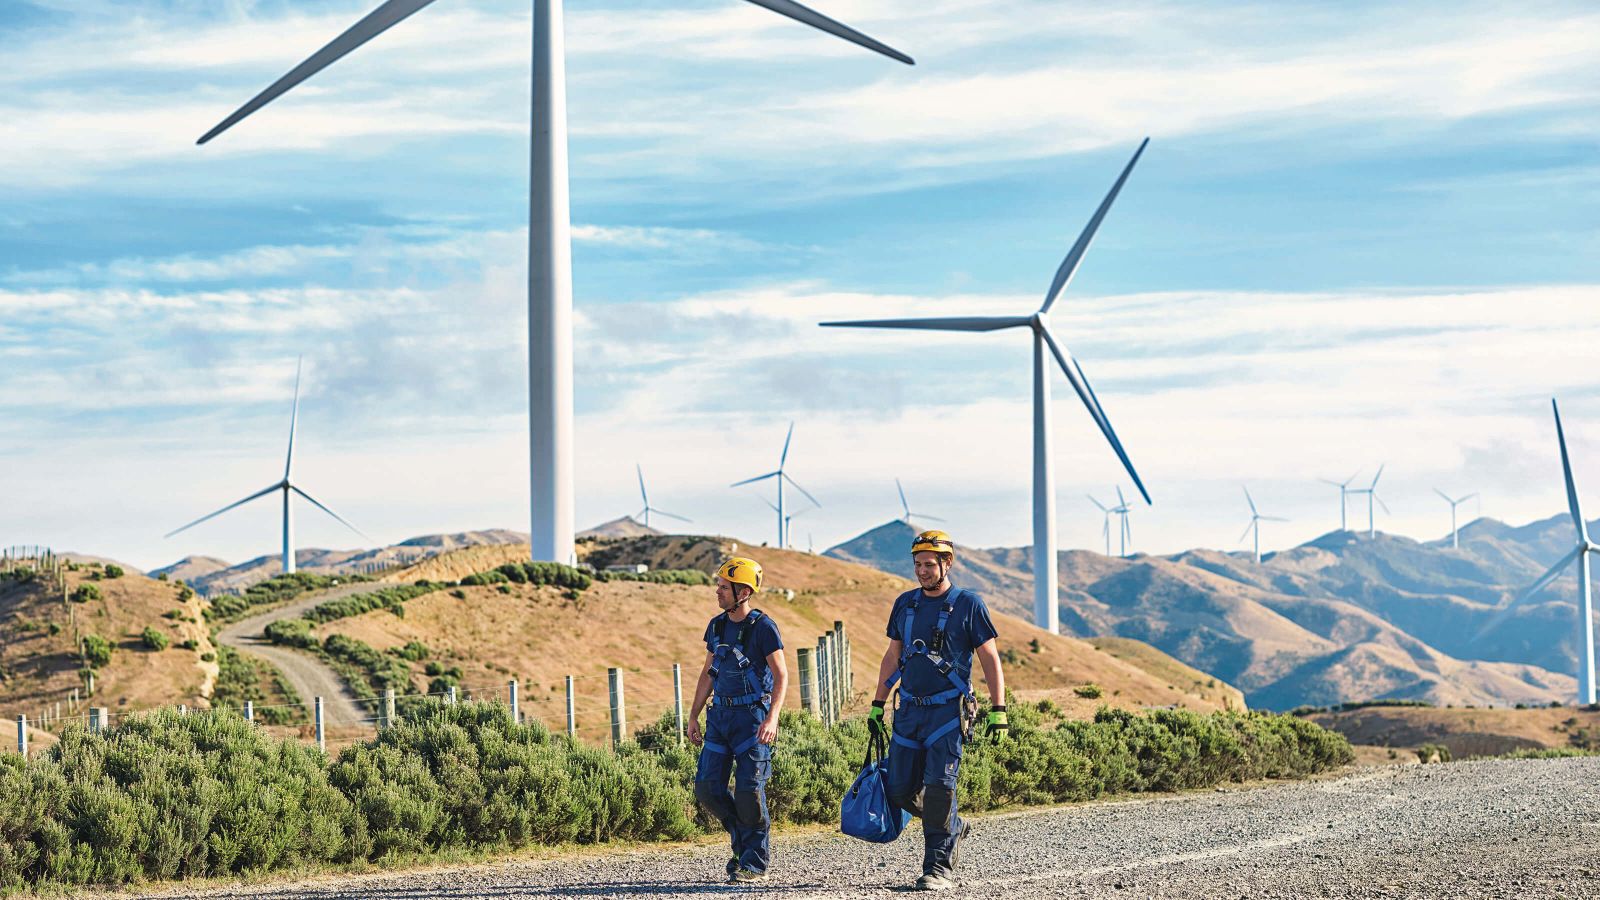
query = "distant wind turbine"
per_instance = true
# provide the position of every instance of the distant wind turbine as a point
(788, 520)
(1372, 496)
(907, 507)
(549, 239)
(1343, 490)
(287, 486)
(781, 476)
(1455, 540)
(1105, 524)
(1256, 518)
(1122, 509)
(648, 509)
(1046, 602)
(1580, 553)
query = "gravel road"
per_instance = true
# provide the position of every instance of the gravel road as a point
(1507, 828)
(304, 672)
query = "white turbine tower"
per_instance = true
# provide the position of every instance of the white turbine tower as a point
(1455, 539)
(1122, 509)
(1343, 487)
(549, 240)
(1045, 599)
(1105, 525)
(1256, 518)
(1372, 496)
(1580, 553)
(287, 486)
(907, 507)
(648, 509)
(781, 476)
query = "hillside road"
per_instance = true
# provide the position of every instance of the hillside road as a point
(1503, 828)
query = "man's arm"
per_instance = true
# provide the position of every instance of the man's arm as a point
(989, 658)
(702, 693)
(768, 732)
(891, 661)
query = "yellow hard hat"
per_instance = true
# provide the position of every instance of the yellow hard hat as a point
(933, 541)
(741, 570)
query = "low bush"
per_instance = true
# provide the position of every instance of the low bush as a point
(537, 573)
(114, 571)
(84, 593)
(1090, 691)
(96, 651)
(153, 639)
(392, 599)
(1430, 753)
(292, 633)
(241, 678)
(659, 576)
(229, 607)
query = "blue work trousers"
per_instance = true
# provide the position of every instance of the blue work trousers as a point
(922, 779)
(730, 744)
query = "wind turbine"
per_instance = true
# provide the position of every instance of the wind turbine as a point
(549, 240)
(1046, 610)
(1372, 495)
(1343, 490)
(1122, 509)
(787, 519)
(1105, 526)
(907, 507)
(781, 476)
(1455, 540)
(287, 486)
(648, 509)
(1580, 553)
(1256, 518)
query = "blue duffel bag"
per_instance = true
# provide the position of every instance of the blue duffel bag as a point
(866, 812)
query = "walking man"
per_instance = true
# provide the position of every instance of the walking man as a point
(744, 678)
(934, 631)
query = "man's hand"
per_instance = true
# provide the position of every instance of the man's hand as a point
(768, 732)
(876, 727)
(998, 727)
(693, 730)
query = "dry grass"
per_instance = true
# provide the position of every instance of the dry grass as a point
(1467, 732)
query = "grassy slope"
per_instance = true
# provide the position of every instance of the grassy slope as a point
(1467, 732)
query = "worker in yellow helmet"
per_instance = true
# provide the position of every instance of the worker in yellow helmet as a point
(934, 632)
(744, 679)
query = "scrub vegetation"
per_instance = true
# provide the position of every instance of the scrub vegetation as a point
(164, 796)
(283, 588)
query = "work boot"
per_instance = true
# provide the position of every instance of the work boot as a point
(933, 881)
(732, 867)
(746, 876)
(955, 849)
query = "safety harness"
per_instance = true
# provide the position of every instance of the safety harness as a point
(934, 653)
(721, 650)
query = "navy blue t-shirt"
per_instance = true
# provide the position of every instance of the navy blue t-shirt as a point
(762, 641)
(969, 627)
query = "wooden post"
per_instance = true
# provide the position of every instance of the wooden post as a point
(572, 711)
(619, 720)
(91, 682)
(450, 696)
(677, 698)
(823, 693)
(22, 734)
(322, 740)
(388, 708)
(808, 675)
(250, 711)
(97, 719)
(516, 712)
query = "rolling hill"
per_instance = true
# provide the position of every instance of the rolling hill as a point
(1336, 619)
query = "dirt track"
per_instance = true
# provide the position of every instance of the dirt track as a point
(304, 672)
(1512, 829)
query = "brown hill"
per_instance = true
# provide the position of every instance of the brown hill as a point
(625, 527)
(1467, 732)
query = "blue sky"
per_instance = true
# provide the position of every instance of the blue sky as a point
(1360, 235)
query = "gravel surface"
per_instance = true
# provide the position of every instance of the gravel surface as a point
(304, 672)
(1507, 828)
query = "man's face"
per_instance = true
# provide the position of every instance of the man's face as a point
(727, 594)
(930, 569)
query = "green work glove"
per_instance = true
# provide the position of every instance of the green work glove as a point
(876, 727)
(997, 728)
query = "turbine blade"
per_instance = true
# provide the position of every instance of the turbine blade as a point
(755, 479)
(1097, 503)
(646, 497)
(1566, 470)
(801, 489)
(1332, 482)
(1273, 519)
(1376, 477)
(1122, 503)
(375, 23)
(1552, 574)
(1467, 497)
(903, 504)
(785, 455)
(1352, 477)
(1247, 531)
(1080, 383)
(1250, 501)
(318, 504)
(1382, 504)
(294, 417)
(822, 23)
(672, 515)
(261, 493)
(930, 518)
(951, 323)
(1446, 497)
(1069, 266)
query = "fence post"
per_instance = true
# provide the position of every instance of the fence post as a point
(322, 740)
(388, 707)
(250, 711)
(619, 721)
(572, 711)
(91, 682)
(450, 696)
(22, 734)
(183, 709)
(516, 711)
(808, 672)
(98, 720)
(824, 699)
(677, 698)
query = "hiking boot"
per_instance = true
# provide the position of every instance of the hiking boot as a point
(732, 867)
(955, 849)
(935, 882)
(746, 876)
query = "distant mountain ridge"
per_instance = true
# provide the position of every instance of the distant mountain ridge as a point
(1338, 618)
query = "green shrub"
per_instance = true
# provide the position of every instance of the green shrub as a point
(114, 571)
(693, 577)
(292, 633)
(189, 644)
(84, 593)
(241, 678)
(416, 651)
(228, 607)
(1090, 691)
(391, 598)
(537, 573)
(1433, 753)
(153, 639)
(96, 651)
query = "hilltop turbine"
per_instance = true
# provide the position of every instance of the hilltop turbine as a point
(1256, 518)
(287, 486)
(1372, 496)
(907, 507)
(1046, 610)
(788, 519)
(1343, 490)
(782, 476)
(1121, 509)
(1105, 525)
(1455, 540)
(549, 240)
(648, 509)
(1580, 553)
